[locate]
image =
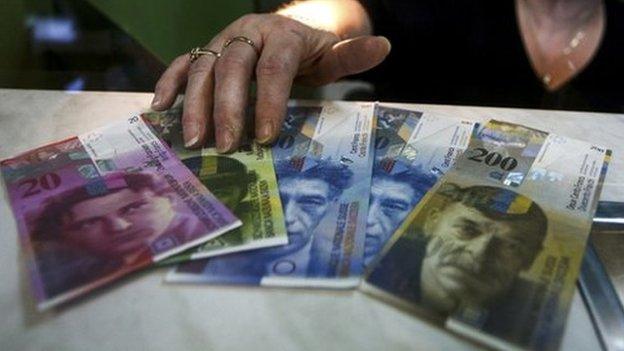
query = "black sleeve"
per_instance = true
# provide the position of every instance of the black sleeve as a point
(372, 9)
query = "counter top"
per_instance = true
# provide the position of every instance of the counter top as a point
(142, 313)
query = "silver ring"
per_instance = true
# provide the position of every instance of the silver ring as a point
(242, 39)
(195, 53)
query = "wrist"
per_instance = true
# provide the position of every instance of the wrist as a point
(345, 18)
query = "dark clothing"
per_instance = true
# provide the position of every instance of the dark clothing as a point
(63, 268)
(471, 53)
(398, 272)
(507, 317)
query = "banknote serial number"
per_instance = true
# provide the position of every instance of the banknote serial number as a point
(493, 159)
(34, 186)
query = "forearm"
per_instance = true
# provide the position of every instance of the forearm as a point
(345, 18)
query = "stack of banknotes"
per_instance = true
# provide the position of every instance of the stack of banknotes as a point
(477, 227)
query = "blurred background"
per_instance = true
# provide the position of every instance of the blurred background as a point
(106, 44)
(125, 45)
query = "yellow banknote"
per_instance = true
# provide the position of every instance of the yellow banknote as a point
(493, 250)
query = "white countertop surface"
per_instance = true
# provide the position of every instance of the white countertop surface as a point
(142, 313)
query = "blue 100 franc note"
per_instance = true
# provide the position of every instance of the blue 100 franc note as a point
(412, 150)
(323, 160)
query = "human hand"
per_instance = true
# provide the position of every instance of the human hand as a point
(286, 50)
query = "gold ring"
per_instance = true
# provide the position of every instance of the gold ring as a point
(242, 39)
(197, 52)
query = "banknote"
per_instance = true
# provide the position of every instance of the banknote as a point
(243, 180)
(95, 207)
(412, 150)
(493, 250)
(323, 159)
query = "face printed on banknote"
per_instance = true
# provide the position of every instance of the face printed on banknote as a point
(305, 203)
(120, 223)
(226, 177)
(492, 252)
(322, 162)
(95, 207)
(412, 150)
(243, 180)
(306, 197)
(474, 254)
(393, 196)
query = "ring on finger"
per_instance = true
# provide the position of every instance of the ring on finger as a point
(195, 53)
(241, 39)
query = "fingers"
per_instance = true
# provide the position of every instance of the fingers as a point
(277, 67)
(217, 89)
(233, 73)
(349, 57)
(198, 101)
(170, 83)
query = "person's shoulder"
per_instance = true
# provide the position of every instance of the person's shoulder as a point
(520, 306)
(402, 262)
(62, 269)
(413, 246)
(186, 226)
(244, 207)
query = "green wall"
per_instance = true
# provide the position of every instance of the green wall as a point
(13, 34)
(169, 28)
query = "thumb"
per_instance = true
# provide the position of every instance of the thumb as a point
(349, 57)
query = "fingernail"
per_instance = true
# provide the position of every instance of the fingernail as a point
(265, 133)
(156, 102)
(225, 142)
(191, 135)
(387, 42)
(192, 141)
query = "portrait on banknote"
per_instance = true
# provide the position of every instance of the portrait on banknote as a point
(229, 180)
(467, 249)
(412, 150)
(243, 180)
(98, 206)
(307, 196)
(392, 198)
(493, 250)
(90, 232)
(323, 166)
